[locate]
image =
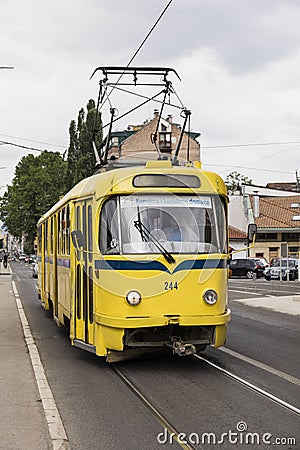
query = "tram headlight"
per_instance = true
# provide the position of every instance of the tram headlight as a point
(133, 298)
(210, 297)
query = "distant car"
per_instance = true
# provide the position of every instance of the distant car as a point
(35, 269)
(289, 270)
(29, 259)
(22, 256)
(245, 267)
(274, 261)
(262, 262)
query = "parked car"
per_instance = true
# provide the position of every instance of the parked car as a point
(246, 267)
(289, 270)
(262, 262)
(274, 261)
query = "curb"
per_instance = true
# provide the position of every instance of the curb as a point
(289, 304)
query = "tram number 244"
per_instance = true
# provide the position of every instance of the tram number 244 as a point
(169, 286)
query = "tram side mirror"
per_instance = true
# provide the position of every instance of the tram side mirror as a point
(78, 241)
(252, 231)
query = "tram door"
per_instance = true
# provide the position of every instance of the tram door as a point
(84, 301)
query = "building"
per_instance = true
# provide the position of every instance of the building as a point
(238, 240)
(278, 221)
(276, 214)
(140, 138)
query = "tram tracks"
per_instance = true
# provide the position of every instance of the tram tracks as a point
(164, 422)
(250, 385)
(172, 429)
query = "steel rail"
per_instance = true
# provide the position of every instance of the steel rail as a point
(164, 422)
(251, 386)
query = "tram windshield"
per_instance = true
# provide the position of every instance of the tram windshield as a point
(139, 224)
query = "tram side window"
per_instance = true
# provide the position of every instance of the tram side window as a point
(78, 222)
(108, 228)
(39, 235)
(63, 230)
(90, 232)
(46, 238)
(59, 232)
(84, 223)
(68, 230)
(51, 236)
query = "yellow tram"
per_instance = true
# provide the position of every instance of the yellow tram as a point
(134, 258)
(111, 269)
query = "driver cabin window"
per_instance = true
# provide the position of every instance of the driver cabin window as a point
(109, 228)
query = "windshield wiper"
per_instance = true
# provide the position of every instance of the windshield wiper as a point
(146, 234)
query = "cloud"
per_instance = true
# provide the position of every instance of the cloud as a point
(238, 62)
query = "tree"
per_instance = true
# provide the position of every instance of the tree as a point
(234, 181)
(81, 159)
(38, 183)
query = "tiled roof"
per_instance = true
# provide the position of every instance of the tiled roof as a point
(235, 233)
(276, 212)
(283, 186)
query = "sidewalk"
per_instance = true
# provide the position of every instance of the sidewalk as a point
(22, 421)
(289, 304)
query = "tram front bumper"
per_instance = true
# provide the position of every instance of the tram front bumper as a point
(112, 329)
(141, 322)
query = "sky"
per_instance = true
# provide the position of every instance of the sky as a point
(239, 63)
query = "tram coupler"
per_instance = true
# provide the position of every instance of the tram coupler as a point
(180, 348)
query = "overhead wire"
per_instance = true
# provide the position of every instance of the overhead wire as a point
(140, 46)
(251, 144)
(22, 146)
(249, 168)
(32, 140)
(245, 166)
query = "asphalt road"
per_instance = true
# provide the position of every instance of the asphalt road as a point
(196, 396)
(244, 288)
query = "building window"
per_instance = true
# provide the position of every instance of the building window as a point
(165, 141)
(115, 141)
(273, 252)
(292, 237)
(267, 237)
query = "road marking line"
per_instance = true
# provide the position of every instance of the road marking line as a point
(260, 365)
(263, 290)
(248, 292)
(251, 386)
(56, 429)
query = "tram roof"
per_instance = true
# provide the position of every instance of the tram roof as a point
(116, 181)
